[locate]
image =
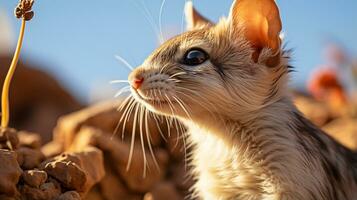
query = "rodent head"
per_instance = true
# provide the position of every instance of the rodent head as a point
(232, 68)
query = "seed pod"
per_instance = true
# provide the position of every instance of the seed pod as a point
(23, 10)
(29, 15)
(18, 12)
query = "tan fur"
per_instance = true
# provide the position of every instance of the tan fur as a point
(242, 123)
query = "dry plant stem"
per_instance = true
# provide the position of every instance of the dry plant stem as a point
(5, 91)
(23, 11)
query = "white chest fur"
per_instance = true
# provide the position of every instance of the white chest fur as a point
(236, 169)
(224, 172)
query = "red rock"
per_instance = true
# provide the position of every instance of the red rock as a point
(47, 191)
(70, 195)
(30, 140)
(20, 158)
(52, 149)
(3, 197)
(31, 157)
(78, 171)
(105, 117)
(34, 178)
(163, 191)
(84, 138)
(93, 165)
(118, 153)
(10, 172)
(95, 126)
(66, 169)
(135, 177)
(154, 132)
(94, 194)
(102, 116)
(9, 138)
(112, 188)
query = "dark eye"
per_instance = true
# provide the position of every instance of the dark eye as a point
(195, 57)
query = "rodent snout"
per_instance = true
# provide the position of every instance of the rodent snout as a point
(136, 80)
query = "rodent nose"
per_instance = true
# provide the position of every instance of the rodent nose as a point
(137, 82)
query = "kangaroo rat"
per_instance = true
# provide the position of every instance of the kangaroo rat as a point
(227, 82)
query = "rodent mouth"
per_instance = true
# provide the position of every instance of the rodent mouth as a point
(154, 102)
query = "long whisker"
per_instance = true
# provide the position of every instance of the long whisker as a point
(211, 109)
(172, 113)
(182, 106)
(182, 129)
(172, 108)
(142, 139)
(168, 122)
(174, 80)
(200, 103)
(177, 74)
(127, 102)
(160, 20)
(149, 141)
(148, 16)
(121, 91)
(132, 138)
(127, 117)
(179, 130)
(122, 60)
(170, 105)
(182, 134)
(177, 137)
(158, 126)
(125, 105)
(183, 17)
(118, 81)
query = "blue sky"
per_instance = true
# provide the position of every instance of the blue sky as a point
(76, 40)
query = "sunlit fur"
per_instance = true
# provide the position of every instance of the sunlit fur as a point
(249, 140)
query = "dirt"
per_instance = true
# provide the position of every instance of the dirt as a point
(26, 173)
(34, 178)
(89, 156)
(10, 172)
(91, 127)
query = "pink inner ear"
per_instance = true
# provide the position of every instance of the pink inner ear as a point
(262, 23)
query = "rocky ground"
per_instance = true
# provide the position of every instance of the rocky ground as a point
(88, 156)
(88, 160)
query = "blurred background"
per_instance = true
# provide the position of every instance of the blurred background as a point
(76, 41)
(70, 49)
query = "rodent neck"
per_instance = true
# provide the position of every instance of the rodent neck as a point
(276, 116)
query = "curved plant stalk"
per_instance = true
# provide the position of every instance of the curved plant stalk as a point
(5, 90)
(23, 10)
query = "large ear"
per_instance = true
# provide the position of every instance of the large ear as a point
(261, 22)
(193, 18)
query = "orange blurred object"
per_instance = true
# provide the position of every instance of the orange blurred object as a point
(324, 85)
